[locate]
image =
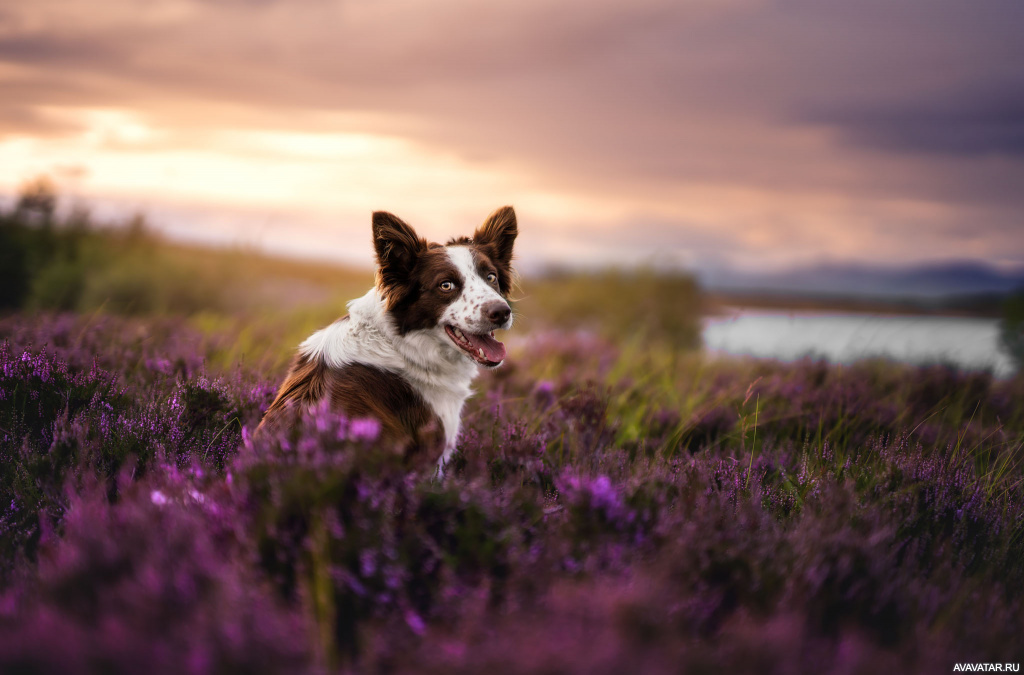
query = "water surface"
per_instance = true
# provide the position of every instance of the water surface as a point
(971, 343)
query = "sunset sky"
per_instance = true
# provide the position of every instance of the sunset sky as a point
(754, 134)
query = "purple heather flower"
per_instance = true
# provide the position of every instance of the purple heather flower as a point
(364, 429)
(415, 623)
(603, 494)
(367, 564)
(544, 389)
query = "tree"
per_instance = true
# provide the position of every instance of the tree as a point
(37, 201)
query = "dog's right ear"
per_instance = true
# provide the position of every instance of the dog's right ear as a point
(398, 247)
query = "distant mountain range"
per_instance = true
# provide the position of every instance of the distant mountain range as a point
(933, 281)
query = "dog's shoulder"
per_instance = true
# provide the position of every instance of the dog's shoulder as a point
(304, 385)
(356, 389)
(362, 390)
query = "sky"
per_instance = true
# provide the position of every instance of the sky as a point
(709, 134)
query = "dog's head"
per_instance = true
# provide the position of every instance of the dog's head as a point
(458, 292)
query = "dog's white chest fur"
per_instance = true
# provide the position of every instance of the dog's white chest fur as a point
(425, 359)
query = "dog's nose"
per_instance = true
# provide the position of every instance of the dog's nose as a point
(497, 312)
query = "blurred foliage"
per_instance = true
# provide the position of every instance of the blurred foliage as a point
(621, 305)
(610, 509)
(73, 263)
(15, 271)
(38, 200)
(1011, 329)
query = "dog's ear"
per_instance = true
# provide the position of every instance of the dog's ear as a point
(398, 247)
(497, 235)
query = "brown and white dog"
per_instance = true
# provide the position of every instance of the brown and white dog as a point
(409, 349)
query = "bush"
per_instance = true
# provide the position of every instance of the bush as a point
(622, 305)
(58, 286)
(143, 282)
(1011, 329)
(15, 274)
(72, 263)
(149, 584)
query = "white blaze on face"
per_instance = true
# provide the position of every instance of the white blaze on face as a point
(467, 311)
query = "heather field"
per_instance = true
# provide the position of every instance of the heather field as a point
(616, 506)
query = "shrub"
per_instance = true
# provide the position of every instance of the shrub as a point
(858, 519)
(1011, 329)
(141, 285)
(15, 273)
(661, 307)
(58, 286)
(149, 584)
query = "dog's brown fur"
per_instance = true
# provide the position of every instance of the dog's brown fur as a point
(406, 420)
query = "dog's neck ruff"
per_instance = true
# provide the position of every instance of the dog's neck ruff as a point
(426, 359)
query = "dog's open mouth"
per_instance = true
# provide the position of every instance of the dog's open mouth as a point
(484, 349)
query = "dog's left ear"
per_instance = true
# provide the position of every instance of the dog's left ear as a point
(497, 235)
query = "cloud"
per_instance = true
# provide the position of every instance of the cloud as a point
(964, 124)
(732, 116)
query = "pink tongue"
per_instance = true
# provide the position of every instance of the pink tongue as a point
(494, 351)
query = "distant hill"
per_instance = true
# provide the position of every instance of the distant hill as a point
(921, 282)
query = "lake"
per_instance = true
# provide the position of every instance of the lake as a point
(970, 343)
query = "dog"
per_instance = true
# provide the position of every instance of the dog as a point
(409, 349)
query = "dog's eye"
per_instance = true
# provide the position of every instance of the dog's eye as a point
(447, 285)
(491, 277)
